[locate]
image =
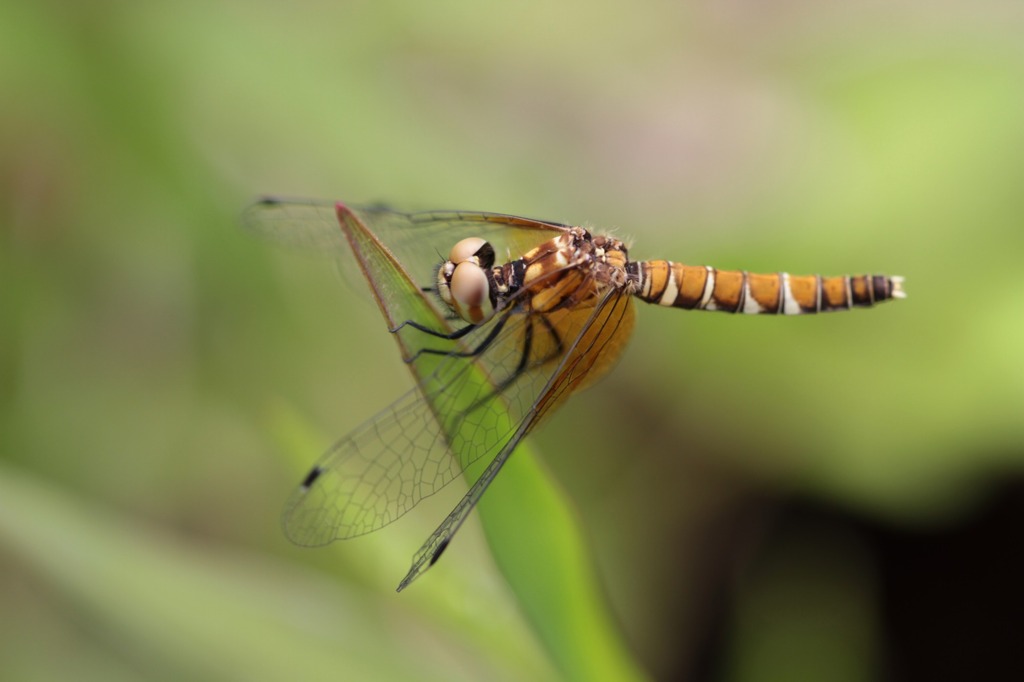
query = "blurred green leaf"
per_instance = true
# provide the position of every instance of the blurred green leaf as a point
(539, 546)
(198, 611)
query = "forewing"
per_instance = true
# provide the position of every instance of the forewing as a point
(419, 241)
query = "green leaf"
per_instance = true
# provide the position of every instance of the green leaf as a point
(539, 546)
(169, 608)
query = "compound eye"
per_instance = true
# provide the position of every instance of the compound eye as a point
(473, 250)
(471, 292)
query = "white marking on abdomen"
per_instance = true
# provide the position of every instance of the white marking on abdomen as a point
(790, 306)
(750, 304)
(709, 288)
(645, 284)
(668, 297)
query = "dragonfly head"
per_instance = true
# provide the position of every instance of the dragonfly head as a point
(464, 280)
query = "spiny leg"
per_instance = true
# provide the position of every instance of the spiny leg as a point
(451, 336)
(480, 348)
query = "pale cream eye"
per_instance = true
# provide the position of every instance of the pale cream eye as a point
(470, 292)
(466, 249)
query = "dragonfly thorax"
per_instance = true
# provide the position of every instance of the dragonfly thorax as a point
(571, 269)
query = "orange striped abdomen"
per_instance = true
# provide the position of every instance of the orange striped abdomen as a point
(705, 288)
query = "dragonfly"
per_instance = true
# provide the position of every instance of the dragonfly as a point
(500, 318)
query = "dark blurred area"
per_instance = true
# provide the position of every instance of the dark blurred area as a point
(944, 602)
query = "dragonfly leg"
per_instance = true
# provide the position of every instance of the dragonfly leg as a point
(488, 340)
(553, 333)
(524, 358)
(457, 334)
(524, 364)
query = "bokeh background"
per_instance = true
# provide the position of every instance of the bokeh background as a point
(821, 498)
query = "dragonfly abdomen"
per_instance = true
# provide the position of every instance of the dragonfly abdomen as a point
(735, 291)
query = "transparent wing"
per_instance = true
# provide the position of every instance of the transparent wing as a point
(472, 405)
(417, 240)
(594, 338)
(473, 390)
(314, 223)
(426, 438)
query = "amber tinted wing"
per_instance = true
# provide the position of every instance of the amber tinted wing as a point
(593, 338)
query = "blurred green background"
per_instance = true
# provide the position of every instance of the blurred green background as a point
(756, 497)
